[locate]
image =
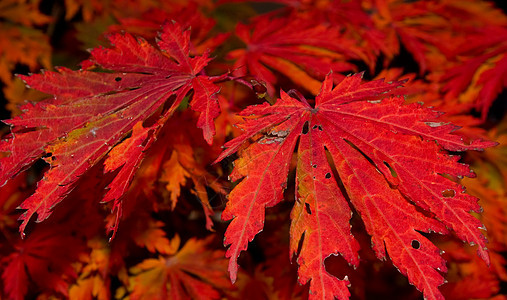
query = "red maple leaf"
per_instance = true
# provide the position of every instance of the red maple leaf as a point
(298, 48)
(390, 159)
(96, 113)
(186, 14)
(481, 72)
(45, 259)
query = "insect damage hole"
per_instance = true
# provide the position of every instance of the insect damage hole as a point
(118, 79)
(415, 244)
(449, 193)
(328, 175)
(305, 128)
(308, 209)
(391, 169)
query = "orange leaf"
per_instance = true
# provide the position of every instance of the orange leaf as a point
(94, 280)
(24, 12)
(193, 273)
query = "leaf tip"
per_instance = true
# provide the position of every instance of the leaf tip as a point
(233, 270)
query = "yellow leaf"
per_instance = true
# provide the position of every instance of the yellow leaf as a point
(93, 281)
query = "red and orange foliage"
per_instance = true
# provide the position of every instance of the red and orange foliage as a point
(323, 141)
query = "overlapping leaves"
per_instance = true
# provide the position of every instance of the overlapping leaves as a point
(362, 151)
(118, 112)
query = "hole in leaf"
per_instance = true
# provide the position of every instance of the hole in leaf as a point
(393, 172)
(448, 193)
(314, 166)
(317, 127)
(300, 244)
(305, 128)
(328, 175)
(53, 158)
(337, 266)
(117, 79)
(334, 172)
(21, 129)
(308, 209)
(363, 154)
(415, 244)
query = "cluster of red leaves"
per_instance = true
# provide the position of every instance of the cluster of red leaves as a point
(339, 118)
